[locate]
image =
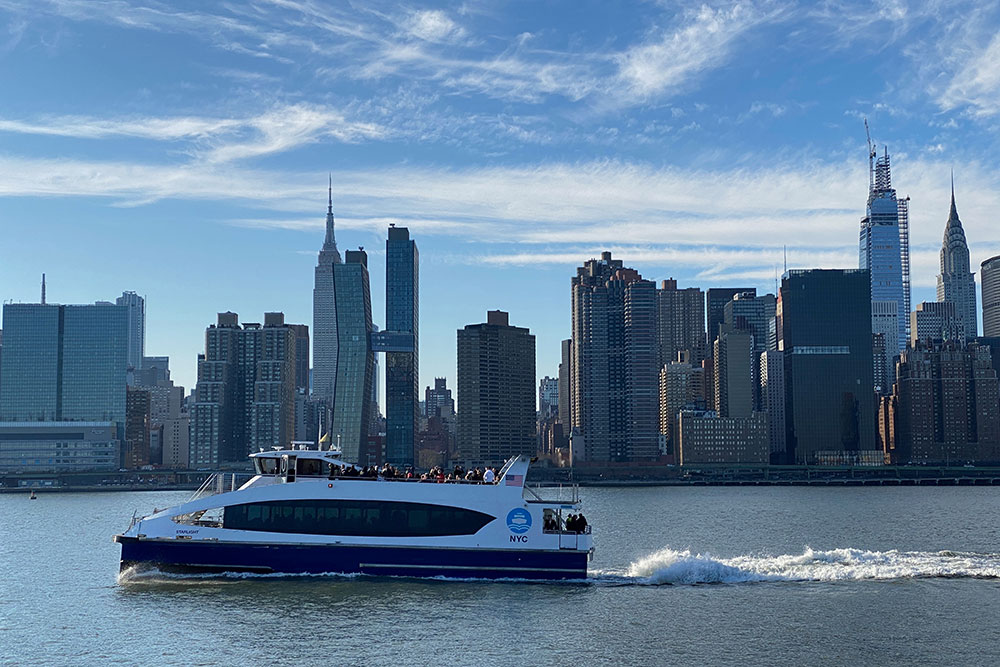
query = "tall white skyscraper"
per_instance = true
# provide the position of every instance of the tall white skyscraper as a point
(136, 331)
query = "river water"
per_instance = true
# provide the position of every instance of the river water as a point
(691, 575)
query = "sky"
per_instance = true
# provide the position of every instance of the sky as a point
(182, 149)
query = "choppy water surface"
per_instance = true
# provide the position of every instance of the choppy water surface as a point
(694, 575)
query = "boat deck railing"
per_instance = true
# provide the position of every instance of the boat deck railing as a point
(221, 482)
(559, 493)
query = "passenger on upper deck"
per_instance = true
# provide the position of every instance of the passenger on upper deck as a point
(489, 476)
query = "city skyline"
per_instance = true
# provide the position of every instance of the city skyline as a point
(490, 136)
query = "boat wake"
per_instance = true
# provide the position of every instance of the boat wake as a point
(672, 567)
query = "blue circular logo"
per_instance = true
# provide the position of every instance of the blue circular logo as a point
(519, 520)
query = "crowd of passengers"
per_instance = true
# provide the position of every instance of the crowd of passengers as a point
(575, 523)
(436, 474)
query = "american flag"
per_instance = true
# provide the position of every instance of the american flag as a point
(515, 480)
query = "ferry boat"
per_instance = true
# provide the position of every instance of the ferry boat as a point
(296, 516)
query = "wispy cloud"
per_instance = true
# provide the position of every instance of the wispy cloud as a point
(977, 83)
(215, 139)
(706, 40)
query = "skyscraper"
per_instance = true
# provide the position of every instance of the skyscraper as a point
(496, 390)
(245, 396)
(301, 355)
(824, 333)
(352, 403)
(956, 283)
(883, 247)
(615, 385)
(325, 338)
(935, 320)
(947, 404)
(548, 396)
(565, 380)
(680, 322)
(402, 321)
(990, 275)
(64, 363)
(716, 299)
(136, 306)
(438, 399)
(735, 374)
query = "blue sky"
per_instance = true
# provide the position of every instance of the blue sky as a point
(181, 149)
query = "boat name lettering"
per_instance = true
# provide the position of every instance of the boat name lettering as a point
(182, 531)
(518, 538)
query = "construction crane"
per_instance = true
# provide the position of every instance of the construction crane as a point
(871, 157)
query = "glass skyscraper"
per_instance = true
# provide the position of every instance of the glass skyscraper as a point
(64, 363)
(884, 253)
(355, 359)
(402, 320)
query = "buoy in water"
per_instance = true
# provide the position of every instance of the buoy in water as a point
(32, 496)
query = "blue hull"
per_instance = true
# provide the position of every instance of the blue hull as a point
(208, 557)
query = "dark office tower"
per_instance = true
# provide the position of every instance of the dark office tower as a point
(680, 322)
(496, 391)
(716, 299)
(402, 316)
(438, 401)
(324, 332)
(824, 331)
(884, 253)
(956, 283)
(947, 404)
(352, 403)
(301, 355)
(615, 372)
(137, 428)
(64, 363)
(990, 275)
(565, 381)
(136, 306)
(734, 373)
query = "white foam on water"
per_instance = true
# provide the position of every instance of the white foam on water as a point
(669, 566)
(152, 575)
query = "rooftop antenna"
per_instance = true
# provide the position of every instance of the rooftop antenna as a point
(43, 289)
(871, 157)
(775, 278)
(784, 249)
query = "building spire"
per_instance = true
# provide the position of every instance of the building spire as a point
(43, 289)
(329, 251)
(953, 215)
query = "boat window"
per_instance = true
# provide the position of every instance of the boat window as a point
(267, 466)
(355, 517)
(310, 468)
